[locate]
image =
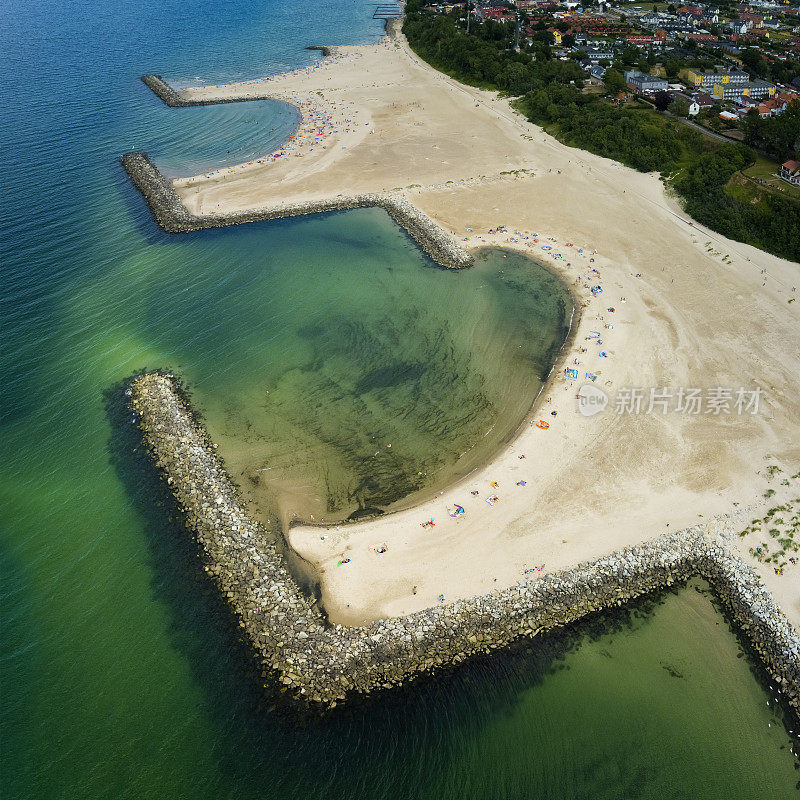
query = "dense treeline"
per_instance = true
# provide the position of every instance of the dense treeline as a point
(778, 137)
(485, 57)
(698, 168)
(637, 138)
(758, 217)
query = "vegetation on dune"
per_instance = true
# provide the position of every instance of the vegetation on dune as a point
(485, 57)
(778, 137)
(701, 170)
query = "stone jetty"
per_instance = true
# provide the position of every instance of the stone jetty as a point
(320, 665)
(174, 98)
(173, 216)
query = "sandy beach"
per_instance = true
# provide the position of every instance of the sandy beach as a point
(691, 309)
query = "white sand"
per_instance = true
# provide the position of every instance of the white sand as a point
(693, 319)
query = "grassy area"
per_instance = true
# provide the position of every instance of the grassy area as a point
(763, 168)
(762, 176)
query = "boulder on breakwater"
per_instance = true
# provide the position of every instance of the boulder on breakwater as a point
(165, 92)
(321, 665)
(172, 215)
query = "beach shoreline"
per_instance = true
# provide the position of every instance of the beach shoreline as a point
(679, 294)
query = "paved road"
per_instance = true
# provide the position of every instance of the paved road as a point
(700, 128)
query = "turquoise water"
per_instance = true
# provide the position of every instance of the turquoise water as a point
(121, 676)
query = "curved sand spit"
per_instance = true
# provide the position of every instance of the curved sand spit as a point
(691, 309)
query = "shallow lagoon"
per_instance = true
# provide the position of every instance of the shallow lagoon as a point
(340, 370)
(205, 138)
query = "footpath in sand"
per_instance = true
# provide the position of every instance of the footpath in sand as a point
(691, 310)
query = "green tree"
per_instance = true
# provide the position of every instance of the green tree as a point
(753, 61)
(614, 81)
(778, 137)
(662, 100)
(679, 107)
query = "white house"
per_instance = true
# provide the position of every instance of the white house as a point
(790, 172)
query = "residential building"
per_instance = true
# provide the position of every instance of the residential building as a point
(640, 39)
(739, 26)
(786, 96)
(704, 100)
(651, 18)
(768, 109)
(644, 83)
(790, 172)
(755, 20)
(753, 89)
(690, 15)
(702, 38)
(496, 14)
(708, 79)
(596, 56)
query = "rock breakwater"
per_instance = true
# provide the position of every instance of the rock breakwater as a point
(173, 216)
(321, 665)
(174, 98)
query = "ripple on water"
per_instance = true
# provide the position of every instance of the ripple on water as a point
(202, 138)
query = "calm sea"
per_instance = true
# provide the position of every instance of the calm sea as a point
(121, 677)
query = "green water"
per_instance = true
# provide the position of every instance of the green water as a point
(335, 381)
(314, 355)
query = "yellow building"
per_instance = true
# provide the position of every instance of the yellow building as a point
(757, 90)
(704, 81)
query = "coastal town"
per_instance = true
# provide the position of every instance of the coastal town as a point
(720, 69)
